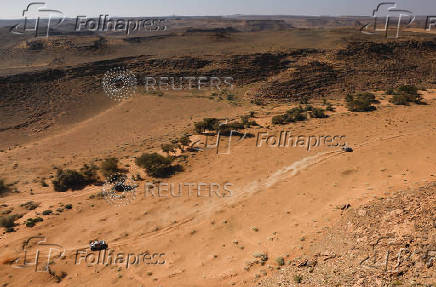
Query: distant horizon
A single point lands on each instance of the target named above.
(223, 8)
(211, 16)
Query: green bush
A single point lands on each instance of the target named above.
(208, 124)
(361, 102)
(185, 140)
(400, 100)
(157, 165)
(68, 179)
(390, 91)
(406, 94)
(109, 167)
(69, 206)
(295, 115)
(3, 188)
(291, 116)
(8, 221)
(90, 173)
(98, 195)
(318, 113)
(169, 148)
(75, 180)
(47, 212)
(280, 261)
(330, 107)
(279, 120)
(408, 89)
(30, 205)
(298, 278)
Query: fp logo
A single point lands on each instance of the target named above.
(36, 251)
(388, 19)
(34, 15)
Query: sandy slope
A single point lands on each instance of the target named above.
(281, 197)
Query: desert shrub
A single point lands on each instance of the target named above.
(291, 116)
(399, 100)
(318, 113)
(30, 222)
(169, 148)
(157, 165)
(8, 221)
(406, 94)
(43, 183)
(109, 167)
(3, 188)
(408, 89)
(330, 107)
(230, 97)
(30, 205)
(208, 124)
(100, 43)
(69, 206)
(258, 101)
(279, 120)
(75, 180)
(35, 45)
(298, 279)
(90, 173)
(69, 179)
(390, 91)
(304, 100)
(98, 195)
(360, 102)
(296, 115)
(226, 129)
(280, 261)
(47, 212)
(245, 119)
(308, 108)
(369, 97)
(185, 140)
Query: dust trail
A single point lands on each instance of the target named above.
(293, 169)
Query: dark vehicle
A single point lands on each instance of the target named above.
(98, 245)
(347, 149)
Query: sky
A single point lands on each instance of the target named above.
(12, 9)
